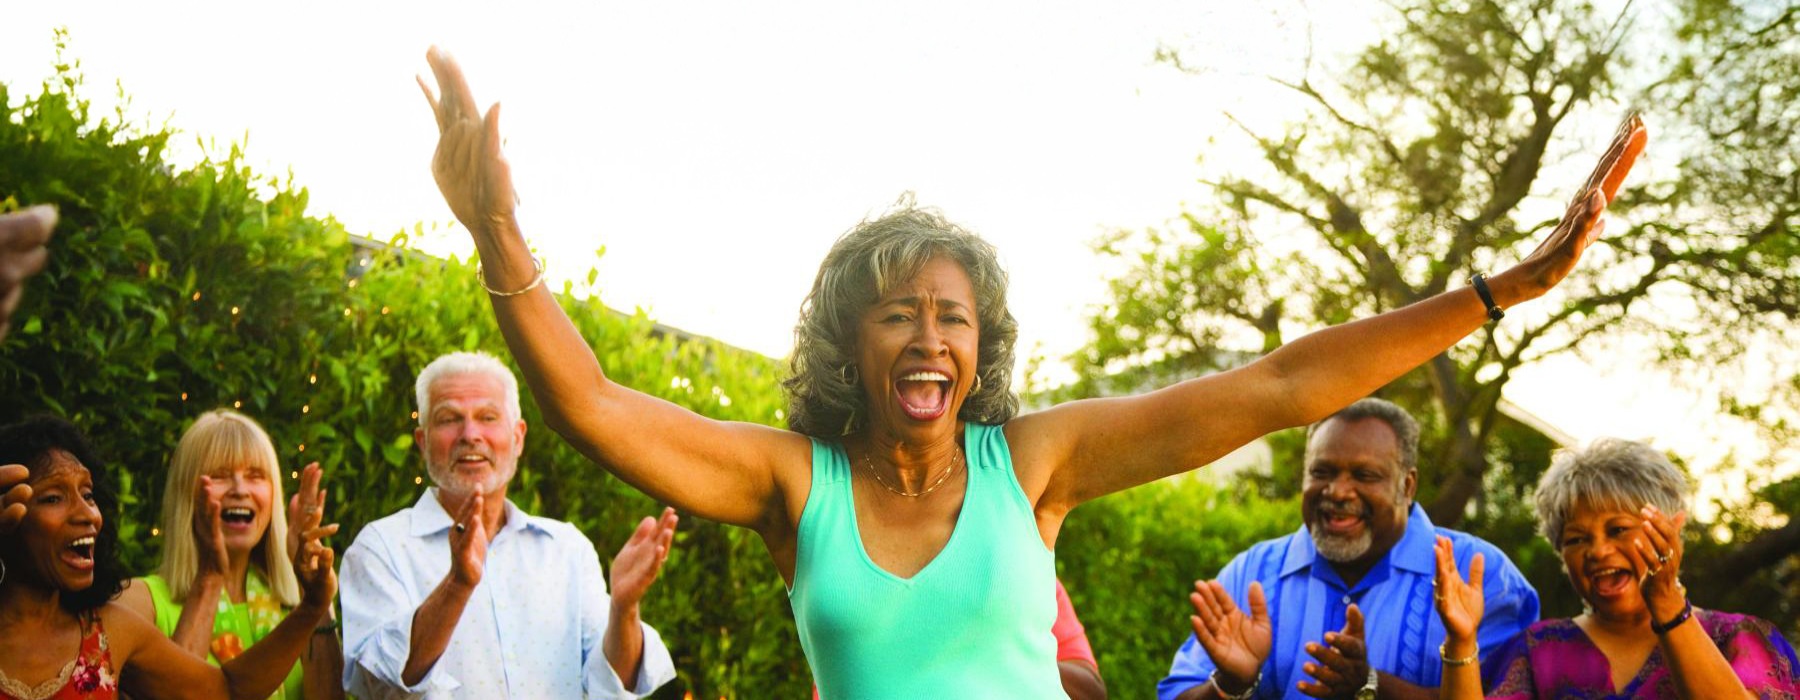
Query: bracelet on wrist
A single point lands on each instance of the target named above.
(1662, 628)
(1444, 654)
(1246, 694)
(535, 281)
(1479, 282)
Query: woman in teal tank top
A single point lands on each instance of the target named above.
(227, 577)
(910, 509)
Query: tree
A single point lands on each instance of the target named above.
(1421, 164)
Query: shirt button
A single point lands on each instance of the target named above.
(1346, 600)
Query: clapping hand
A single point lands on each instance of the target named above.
(14, 492)
(209, 529)
(1459, 603)
(641, 559)
(469, 543)
(1340, 666)
(313, 561)
(1656, 556)
(1237, 643)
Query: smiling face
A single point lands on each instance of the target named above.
(916, 351)
(246, 496)
(1357, 494)
(1593, 543)
(470, 441)
(61, 525)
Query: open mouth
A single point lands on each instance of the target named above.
(1339, 519)
(471, 461)
(1612, 582)
(237, 517)
(924, 395)
(80, 553)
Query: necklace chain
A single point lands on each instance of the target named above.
(955, 458)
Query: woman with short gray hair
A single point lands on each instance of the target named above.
(1606, 508)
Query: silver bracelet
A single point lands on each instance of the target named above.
(535, 281)
(1246, 695)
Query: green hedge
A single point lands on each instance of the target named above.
(174, 291)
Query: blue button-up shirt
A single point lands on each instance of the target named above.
(531, 629)
(1400, 624)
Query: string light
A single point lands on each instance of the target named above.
(234, 311)
(302, 447)
(196, 296)
(352, 284)
(237, 404)
(312, 379)
(296, 475)
(156, 532)
(384, 311)
(346, 311)
(418, 480)
(306, 409)
(184, 396)
(415, 415)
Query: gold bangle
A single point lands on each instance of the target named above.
(1444, 653)
(535, 281)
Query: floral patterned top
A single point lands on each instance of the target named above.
(1555, 659)
(88, 676)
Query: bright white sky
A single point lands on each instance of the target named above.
(717, 148)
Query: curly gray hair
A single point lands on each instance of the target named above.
(1609, 472)
(825, 399)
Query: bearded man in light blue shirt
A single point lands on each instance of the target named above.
(1343, 608)
(464, 595)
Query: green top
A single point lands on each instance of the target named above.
(250, 621)
(974, 623)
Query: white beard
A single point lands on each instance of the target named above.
(1342, 549)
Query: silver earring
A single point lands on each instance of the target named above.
(849, 374)
(977, 387)
(2, 571)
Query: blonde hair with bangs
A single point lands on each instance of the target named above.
(218, 438)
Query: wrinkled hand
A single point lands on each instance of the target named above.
(1339, 667)
(14, 493)
(1238, 644)
(1459, 604)
(470, 169)
(1556, 256)
(23, 237)
(314, 565)
(1659, 580)
(209, 529)
(306, 509)
(468, 548)
(641, 559)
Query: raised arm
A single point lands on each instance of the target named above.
(1099, 446)
(718, 470)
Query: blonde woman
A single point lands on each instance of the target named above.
(226, 577)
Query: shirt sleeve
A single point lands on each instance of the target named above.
(1192, 666)
(1071, 637)
(1761, 658)
(655, 666)
(378, 616)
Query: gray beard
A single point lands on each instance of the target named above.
(1342, 549)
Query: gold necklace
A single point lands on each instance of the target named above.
(955, 457)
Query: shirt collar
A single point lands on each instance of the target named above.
(430, 518)
(1415, 552)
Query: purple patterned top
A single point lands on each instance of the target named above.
(1555, 659)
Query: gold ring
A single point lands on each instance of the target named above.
(461, 528)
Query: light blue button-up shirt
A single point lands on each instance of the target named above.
(1401, 628)
(531, 629)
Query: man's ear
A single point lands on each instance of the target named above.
(1410, 484)
(519, 438)
(419, 442)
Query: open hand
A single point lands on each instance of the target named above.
(1340, 666)
(14, 493)
(1459, 604)
(641, 559)
(470, 170)
(306, 509)
(1556, 256)
(314, 565)
(1656, 556)
(1238, 644)
(469, 543)
(209, 529)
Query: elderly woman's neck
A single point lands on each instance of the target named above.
(1625, 625)
(913, 462)
(237, 571)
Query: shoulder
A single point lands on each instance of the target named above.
(1724, 626)
(139, 598)
(377, 533)
(124, 629)
(1556, 629)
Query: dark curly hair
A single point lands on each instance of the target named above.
(825, 400)
(30, 443)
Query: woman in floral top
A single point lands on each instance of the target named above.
(61, 634)
(1607, 510)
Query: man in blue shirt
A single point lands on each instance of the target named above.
(1365, 549)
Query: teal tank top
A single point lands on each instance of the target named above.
(974, 623)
